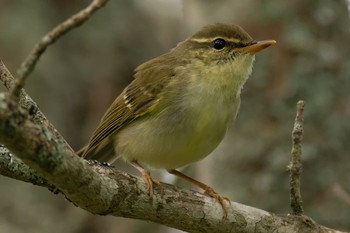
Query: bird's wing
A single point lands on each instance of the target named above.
(138, 99)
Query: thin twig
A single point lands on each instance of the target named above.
(76, 20)
(295, 165)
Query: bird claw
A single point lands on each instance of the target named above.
(221, 199)
(149, 180)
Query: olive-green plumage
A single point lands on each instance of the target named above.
(178, 108)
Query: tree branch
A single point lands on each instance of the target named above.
(76, 20)
(13, 167)
(295, 165)
(105, 191)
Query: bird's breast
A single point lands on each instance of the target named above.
(186, 130)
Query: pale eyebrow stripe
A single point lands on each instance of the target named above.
(207, 40)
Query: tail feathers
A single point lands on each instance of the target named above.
(81, 151)
(104, 154)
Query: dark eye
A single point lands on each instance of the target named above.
(219, 43)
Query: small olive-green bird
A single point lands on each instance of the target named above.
(178, 108)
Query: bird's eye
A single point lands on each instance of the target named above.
(219, 44)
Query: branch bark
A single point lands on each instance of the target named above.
(14, 168)
(295, 166)
(105, 191)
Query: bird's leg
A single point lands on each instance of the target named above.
(207, 190)
(146, 176)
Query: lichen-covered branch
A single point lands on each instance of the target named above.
(14, 168)
(76, 20)
(295, 165)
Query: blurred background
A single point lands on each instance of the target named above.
(80, 75)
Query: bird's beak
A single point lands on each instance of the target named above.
(256, 47)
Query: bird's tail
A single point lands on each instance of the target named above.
(81, 151)
(103, 154)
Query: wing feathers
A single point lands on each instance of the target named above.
(136, 100)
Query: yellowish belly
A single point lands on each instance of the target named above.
(166, 141)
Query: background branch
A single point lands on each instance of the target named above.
(295, 165)
(76, 20)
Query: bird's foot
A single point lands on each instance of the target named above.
(221, 199)
(146, 176)
(149, 180)
(207, 190)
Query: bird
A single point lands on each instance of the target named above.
(179, 105)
